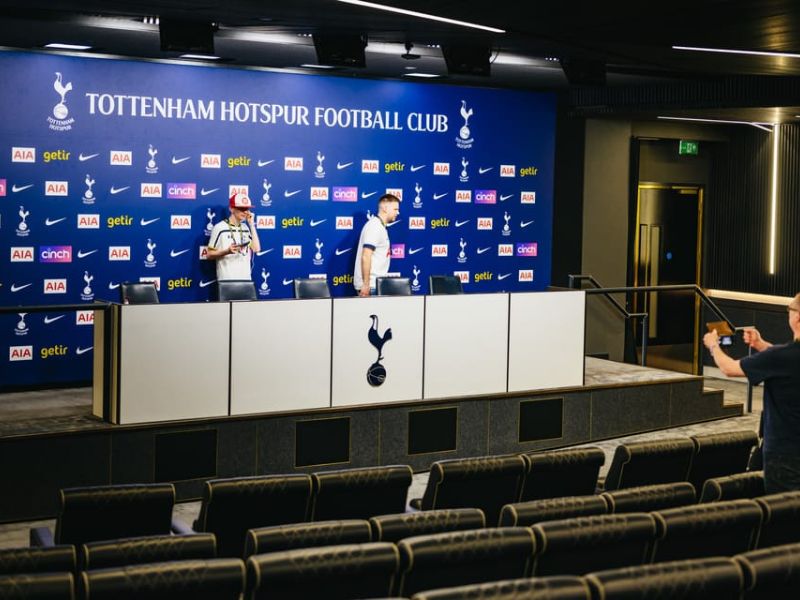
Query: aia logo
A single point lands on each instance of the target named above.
(416, 223)
(319, 193)
(292, 163)
(290, 252)
(265, 222)
(527, 197)
(508, 171)
(180, 222)
(23, 155)
(22, 254)
(370, 166)
(119, 253)
(441, 168)
(210, 161)
(120, 158)
(16, 353)
(84, 317)
(56, 188)
(86, 221)
(55, 286)
(151, 190)
(344, 222)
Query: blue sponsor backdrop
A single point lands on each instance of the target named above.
(114, 171)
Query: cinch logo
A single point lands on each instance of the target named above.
(463, 196)
(319, 193)
(292, 252)
(508, 170)
(398, 250)
(51, 155)
(119, 253)
(55, 254)
(181, 191)
(526, 275)
(265, 222)
(526, 249)
(396, 192)
(180, 221)
(56, 188)
(154, 280)
(344, 222)
(20, 353)
(22, 254)
(416, 223)
(485, 223)
(462, 275)
(238, 188)
(505, 250)
(84, 317)
(370, 166)
(88, 221)
(55, 286)
(345, 194)
(485, 196)
(23, 155)
(441, 168)
(439, 250)
(210, 161)
(121, 158)
(120, 221)
(2, 187)
(291, 222)
(151, 190)
(292, 163)
(527, 197)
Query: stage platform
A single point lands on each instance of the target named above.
(49, 439)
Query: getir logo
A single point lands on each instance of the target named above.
(485, 196)
(416, 223)
(84, 317)
(182, 282)
(151, 190)
(55, 286)
(485, 223)
(292, 163)
(441, 168)
(319, 193)
(526, 275)
(16, 353)
(526, 249)
(292, 252)
(181, 191)
(120, 221)
(505, 250)
(57, 350)
(288, 222)
(22, 254)
(86, 221)
(439, 250)
(55, 254)
(508, 171)
(51, 155)
(345, 194)
(463, 196)
(527, 197)
(23, 155)
(180, 221)
(344, 222)
(345, 279)
(121, 158)
(119, 253)
(398, 250)
(265, 222)
(370, 166)
(210, 161)
(56, 188)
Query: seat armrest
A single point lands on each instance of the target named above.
(180, 527)
(41, 537)
(415, 504)
(601, 485)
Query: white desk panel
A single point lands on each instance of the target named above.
(355, 353)
(466, 345)
(280, 355)
(173, 361)
(546, 340)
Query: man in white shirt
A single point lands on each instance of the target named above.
(234, 240)
(374, 250)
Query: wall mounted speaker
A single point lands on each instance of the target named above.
(584, 72)
(469, 59)
(340, 50)
(180, 35)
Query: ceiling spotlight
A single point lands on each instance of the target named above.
(408, 55)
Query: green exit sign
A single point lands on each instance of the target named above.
(688, 147)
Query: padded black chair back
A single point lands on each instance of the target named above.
(311, 288)
(360, 493)
(781, 519)
(648, 463)
(89, 514)
(157, 548)
(570, 472)
(37, 560)
(733, 487)
(720, 454)
(330, 572)
(541, 588)
(38, 586)
(393, 528)
(524, 514)
(235, 289)
(584, 544)
(215, 579)
(716, 529)
(393, 286)
(488, 483)
(647, 498)
(232, 506)
(306, 535)
(463, 557)
(444, 284)
(138, 293)
(702, 579)
(771, 573)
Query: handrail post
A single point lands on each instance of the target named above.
(750, 387)
(645, 329)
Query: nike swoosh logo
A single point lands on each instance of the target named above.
(206, 283)
(439, 196)
(80, 350)
(115, 190)
(48, 320)
(20, 188)
(501, 277)
(174, 254)
(461, 223)
(16, 288)
(314, 223)
(288, 194)
(113, 286)
(82, 157)
(263, 252)
(525, 223)
(205, 192)
(504, 198)
(482, 250)
(481, 170)
(339, 251)
(415, 168)
(341, 166)
(82, 254)
(393, 223)
(146, 222)
(49, 221)
(367, 194)
(264, 163)
(415, 250)
(177, 161)
(287, 281)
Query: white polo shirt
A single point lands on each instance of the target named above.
(236, 265)
(374, 235)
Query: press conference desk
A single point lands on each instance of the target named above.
(186, 361)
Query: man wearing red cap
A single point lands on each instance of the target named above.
(234, 240)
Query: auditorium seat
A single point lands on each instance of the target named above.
(780, 519)
(232, 506)
(720, 454)
(37, 586)
(393, 286)
(38, 560)
(360, 493)
(88, 514)
(214, 579)
(648, 463)
(771, 573)
(716, 529)
(540, 588)
(235, 289)
(487, 482)
(647, 498)
(311, 288)
(703, 579)
(306, 535)
(463, 557)
(524, 514)
(733, 487)
(570, 472)
(138, 293)
(444, 284)
(330, 572)
(150, 549)
(583, 544)
(393, 528)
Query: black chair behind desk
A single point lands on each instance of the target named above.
(305, 288)
(444, 284)
(393, 286)
(235, 289)
(138, 293)
(37, 560)
(41, 586)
